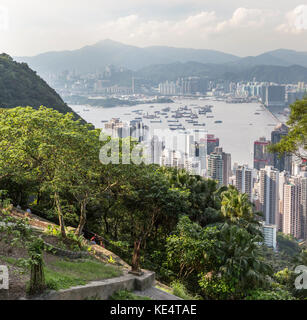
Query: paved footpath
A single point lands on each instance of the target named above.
(157, 294)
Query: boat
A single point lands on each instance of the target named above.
(210, 117)
(168, 109)
(218, 121)
(156, 121)
(257, 113)
(104, 121)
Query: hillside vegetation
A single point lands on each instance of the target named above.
(190, 231)
(20, 87)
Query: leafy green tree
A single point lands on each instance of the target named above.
(147, 197)
(296, 140)
(236, 208)
(225, 258)
(47, 149)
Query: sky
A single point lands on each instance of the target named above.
(240, 27)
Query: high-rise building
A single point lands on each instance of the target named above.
(244, 180)
(156, 149)
(292, 212)
(269, 194)
(303, 216)
(283, 179)
(292, 96)
(215, 167)
(284, 162)
(275, 95)
(209, 143)
(219, 166)
(262, 157)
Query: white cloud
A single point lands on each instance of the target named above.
(296, 21)
(37, 26)
(198, 26)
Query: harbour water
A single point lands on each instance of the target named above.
(241, 125)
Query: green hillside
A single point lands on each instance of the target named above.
(21, 86)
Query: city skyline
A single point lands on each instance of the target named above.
(226, 26)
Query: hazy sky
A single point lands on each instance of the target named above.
(242, 27)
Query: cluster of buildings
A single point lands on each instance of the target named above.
(184, 86)
(270, 94)
(277, 185)
(105, 82)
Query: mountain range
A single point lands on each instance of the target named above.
(232, 72)
(107, 52)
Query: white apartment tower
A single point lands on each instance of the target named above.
(244, 180)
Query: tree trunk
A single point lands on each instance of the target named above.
(60, 213)
(82, 221)
(136, 256)
(37, 282)
(106, 223)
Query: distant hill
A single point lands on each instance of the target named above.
(278, 74)
(108, 52)
(20, 86)
(280, 57)
(235, 72)
(159, 63)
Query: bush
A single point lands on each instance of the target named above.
(278, 294)
(180, 291)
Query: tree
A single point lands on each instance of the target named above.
(48, 149)
(147, 197)
(236, 208)
(296, 140)
(17, 232)
(225, 258)
(204, 195)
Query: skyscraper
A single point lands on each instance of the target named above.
(219, 166)
(269, 194)
(275, 95)
(262, 157)
(291, 212)
(244, 180)
(215, 167)
(210, 142)
(303, 208)
(284, 162)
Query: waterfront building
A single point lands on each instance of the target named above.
(275, 96)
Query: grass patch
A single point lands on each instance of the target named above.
(20, 263)
(9, 260)
(63, 274)
(127, 295)
(179, 290)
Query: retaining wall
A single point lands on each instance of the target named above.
(103, 289)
